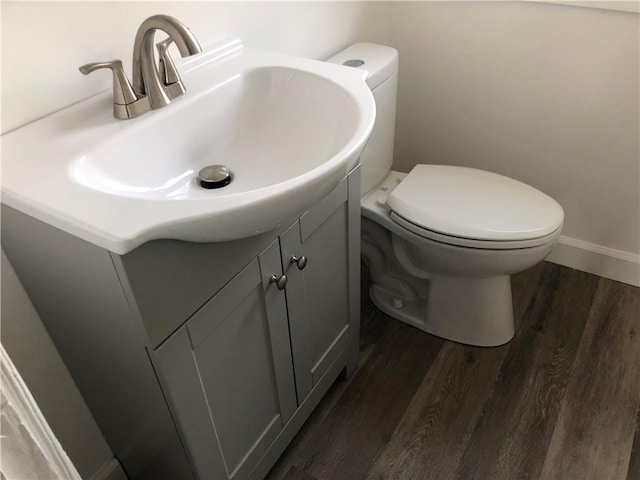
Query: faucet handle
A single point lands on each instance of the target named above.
(122, 91)
(168, 69)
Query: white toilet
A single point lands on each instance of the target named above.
(441, 241)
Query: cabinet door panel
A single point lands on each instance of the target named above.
(326, 283)
(228, 362)
(180, 382)
(238, 380)
(317, 296)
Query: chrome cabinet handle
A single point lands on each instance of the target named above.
(301, 262)
(281, 282)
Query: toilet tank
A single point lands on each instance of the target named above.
(382, 64)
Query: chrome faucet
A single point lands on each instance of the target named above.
(146, 78)
(154, 86)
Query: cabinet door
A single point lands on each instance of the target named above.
(318, 295)
(228, 373)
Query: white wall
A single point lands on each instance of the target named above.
(547, 94)
(44, 43)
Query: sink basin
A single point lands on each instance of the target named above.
(268, 125)
(288, 129)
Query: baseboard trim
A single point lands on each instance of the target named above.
(603, 261)
(110, 470)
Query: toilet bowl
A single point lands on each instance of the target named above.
(457, 288)
(442, 241)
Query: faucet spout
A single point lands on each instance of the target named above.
(146, 78)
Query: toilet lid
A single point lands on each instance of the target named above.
(474, 204)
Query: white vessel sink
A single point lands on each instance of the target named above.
(288, 129)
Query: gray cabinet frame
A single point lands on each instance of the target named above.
(109, 315)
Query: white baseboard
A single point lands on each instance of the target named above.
(110, 470)
(603, 261)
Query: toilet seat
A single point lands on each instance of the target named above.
(469, 242)
(473, 208)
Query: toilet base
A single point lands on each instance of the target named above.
(473, 311)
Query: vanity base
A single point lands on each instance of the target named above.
(125, 324)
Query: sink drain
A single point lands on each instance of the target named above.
(214, 176)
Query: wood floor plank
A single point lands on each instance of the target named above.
(511, 438)
(442, 415)
(595, 431)
(421, 408)
(362, 421)
(633, 472)
(295, 473)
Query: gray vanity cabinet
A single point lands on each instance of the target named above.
(193, 362)
(317, 294)
(228, 372)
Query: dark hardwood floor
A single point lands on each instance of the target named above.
(560, 401)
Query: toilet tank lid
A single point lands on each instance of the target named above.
(379, 60)
(475, 204)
